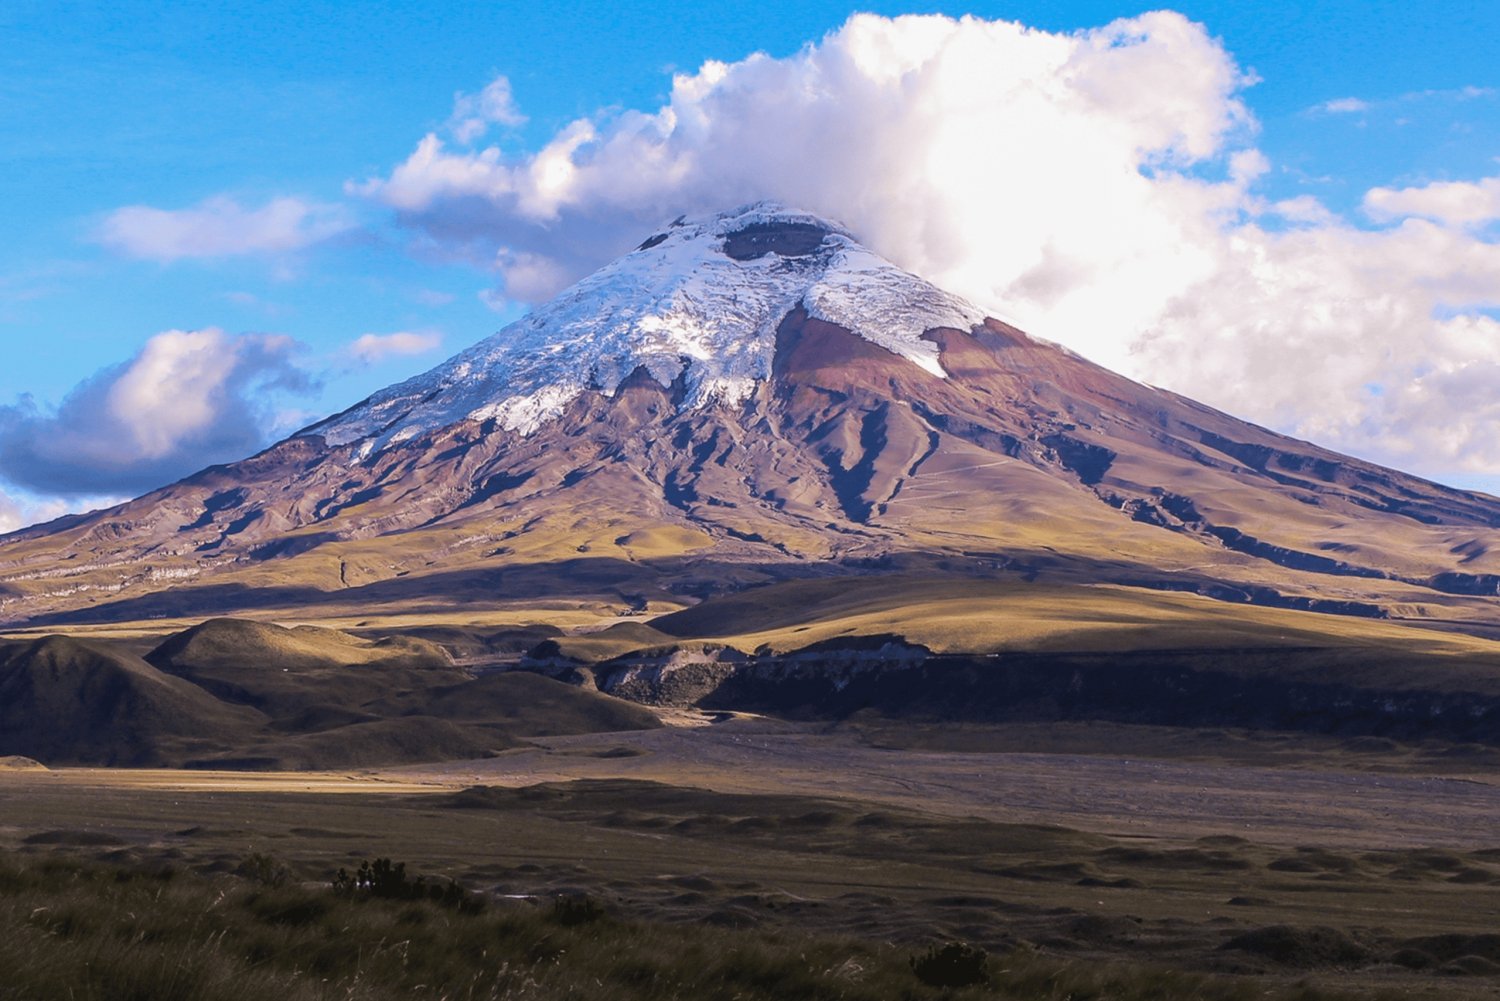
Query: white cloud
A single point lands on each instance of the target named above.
(934, 138)
(369, 349)
(220, 227)
(1344, 106)
(1373, 342)
(1303, 210)
(529, 277)
(11, 517)
(473, 114)
(1456, 203)
(1359, 105)
(20, 512)
(188, 399)
(1097, 187)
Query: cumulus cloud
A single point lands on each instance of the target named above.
(1457, 203)
(188, 399)
(220, 227)
(930, 136)
(1099, 187)
(1376, 342)
(473, 114)
(368, 349)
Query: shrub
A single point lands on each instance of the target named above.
(387, 880)
(954, 964)
(576, 909)
(263, 869)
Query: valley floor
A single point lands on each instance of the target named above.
(1355, 866)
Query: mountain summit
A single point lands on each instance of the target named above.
(751, 397)
(695, 306)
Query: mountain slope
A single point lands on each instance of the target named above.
(748, 398)
(64, 699)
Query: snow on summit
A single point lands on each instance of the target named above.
(700, 300)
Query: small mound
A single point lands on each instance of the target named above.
(286, 672)
(77, 839)
(480, 798)
(474, 642)
(17, 763)
(70, 701)
(1302, 948)
(592, 648)
(220, 642)
(1123, 883)
(1448, 948)
(1471, 966)
(620, 752)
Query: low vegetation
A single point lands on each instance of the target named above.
(71, 928)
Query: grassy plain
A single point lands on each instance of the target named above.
(751, 856)
(812, 861)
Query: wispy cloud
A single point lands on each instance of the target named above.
(474, 114)
(1344, 106)
(1362, 105)
(221, 227)
(36, 281)
(369, 349)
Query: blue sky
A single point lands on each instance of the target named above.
(105, 107)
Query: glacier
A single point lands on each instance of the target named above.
(681, 306)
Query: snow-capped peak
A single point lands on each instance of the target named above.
(700, 300)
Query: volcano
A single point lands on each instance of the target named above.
(753, 398)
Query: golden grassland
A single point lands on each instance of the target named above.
(946, 614)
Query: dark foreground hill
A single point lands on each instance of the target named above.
(66, 700)
(237, 694)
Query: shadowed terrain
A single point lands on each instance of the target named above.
(237, 694)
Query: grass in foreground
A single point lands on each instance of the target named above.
(84, 930)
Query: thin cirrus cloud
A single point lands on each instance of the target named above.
(474, 114)
(371, 349)
(187, 399)
(1360, 105)
(1099, 187)
(221, 227)
(1344, 106)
